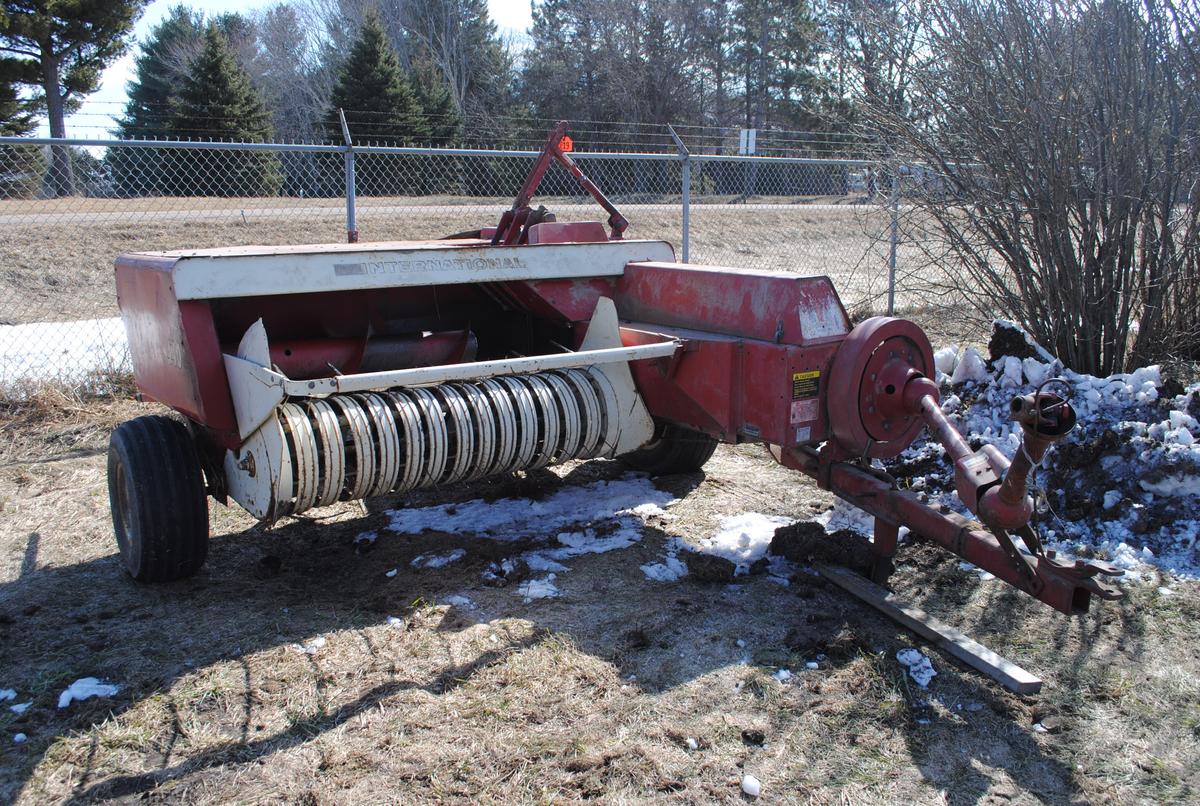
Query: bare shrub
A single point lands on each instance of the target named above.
(1061, 168)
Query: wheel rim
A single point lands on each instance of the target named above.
(120, 512)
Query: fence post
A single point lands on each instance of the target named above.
(893, 241)
(351, 187)
(685, 157)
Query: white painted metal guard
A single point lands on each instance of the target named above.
(261, 271)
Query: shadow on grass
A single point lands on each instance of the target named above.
(1075, 649)
(89, 619)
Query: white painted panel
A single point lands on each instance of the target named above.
(259, 271)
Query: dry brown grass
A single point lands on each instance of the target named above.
(61, 268)
(590, 696)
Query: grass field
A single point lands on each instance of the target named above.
(56, 258)
(590, 696)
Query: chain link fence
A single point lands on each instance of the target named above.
(69, 207)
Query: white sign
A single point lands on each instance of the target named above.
(746, 138)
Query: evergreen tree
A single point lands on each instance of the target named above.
(443, 121)
(158, 72)
(65, 46)
(21, 167)
(17, 114)
(374, 93)
(217, 101)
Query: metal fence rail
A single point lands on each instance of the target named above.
(69, 207)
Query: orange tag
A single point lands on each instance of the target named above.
(566, 144)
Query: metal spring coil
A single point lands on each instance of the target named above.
(352, 446)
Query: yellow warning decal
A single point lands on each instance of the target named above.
(806, 384)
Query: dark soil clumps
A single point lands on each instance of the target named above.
(806, 542)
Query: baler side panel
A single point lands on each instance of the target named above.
(561, 301)
(162, 358)
(216, 402)
(758, 348)
(693, 389)
(769, 306)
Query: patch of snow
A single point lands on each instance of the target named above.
(516, 518)
(945, 360)
(1176, 485)
(920, 669)
(392, 621)
(780, 570)
(539, 562)
(438, 560)
(846, 516)
(751, 786)
(311, 647)
(7, 694)
(20, 707)
(692, 744)
(783, 675)
(19, 738)
(365, 538)
(459, 601)
(85, 688)
(970, 367)
(538, 588)
(671, 568)
(392, 573)
(743, 539)
(811, 664)
(71, 352)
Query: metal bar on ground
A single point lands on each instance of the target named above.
(943, 636)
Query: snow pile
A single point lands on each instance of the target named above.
(586, 519)
(85, 688)
(7, 694)
(438, 560)
(671, 568)
(628, 500)
(920, 669)
(751, 786)
(743, 539)
(67, 351)
(543, 588)
(1123, 486)
(20, 707)
(311, 647)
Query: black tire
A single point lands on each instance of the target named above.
(674, 449)
(158, 500)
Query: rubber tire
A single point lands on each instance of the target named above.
(157, 498)
(674, 450)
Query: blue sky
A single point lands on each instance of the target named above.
(104, 105)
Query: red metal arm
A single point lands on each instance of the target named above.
(516, 220)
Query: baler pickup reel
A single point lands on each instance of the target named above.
(308, 443)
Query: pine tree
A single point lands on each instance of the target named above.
(438, 108)
(158, 72)
(375, 94)
(65, 47)
(217, 101)
(157, 75)
(21, 167)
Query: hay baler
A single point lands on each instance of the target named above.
(313, 374)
